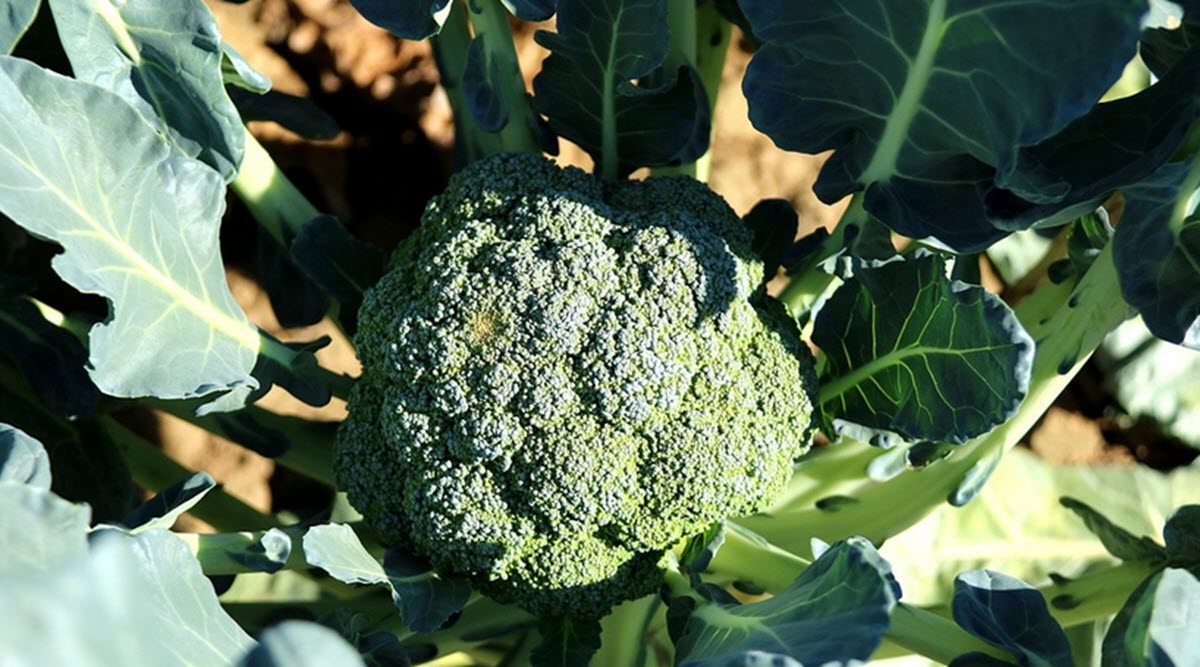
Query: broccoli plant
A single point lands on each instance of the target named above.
(584, 429)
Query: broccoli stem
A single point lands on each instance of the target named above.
(1067, 324)
(450, 53)
(277, 205)
(807, 283)
(623, 639)
(490, 20)
(216, 551)
(699, 37)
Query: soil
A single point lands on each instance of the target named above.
(393, 153)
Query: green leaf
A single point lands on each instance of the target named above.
(165, 59)
(134, 602)
(161, 511)
(1119, 542)
(1008, 613)
(340, 263)
(23, 459)
(912, 352)
(301, 644)
(426, 600)
(1182, 537)
(925, 102)
(336, 549)
(1156, 627)
(235, 71)
(837, 610)
(1017, 526)
(15, 18)
(1157, 252)
(139, 226)
(298, 114)
(566, 642)
(38, 530)
(50, 358)
(586, 87)
(485, 99)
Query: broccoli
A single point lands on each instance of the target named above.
(563, 377)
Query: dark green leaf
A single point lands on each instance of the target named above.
(23, 459)
(165, 59)
(699, 551)
(1182, 537)
(142, 232)
(1012, 615)
(50, 358)
(530, 10)
(585, 87)
(774, 224)
(342, 264)
(296, 300)
(301, 644)
(426, 599)
(566, 642)
(168, 505)
(410, 19)
(1116, 540)
(1157, 625)
(485, 98)
(926, 101)
(837, 610)
(1157, 253)
(1114, 145)
(911, 352)
(15, 18)
(298, 114)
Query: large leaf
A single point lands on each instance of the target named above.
(139, 224)
(909, 351)
(301, 644)
(410, 19)
(1117, 541)
(165, 59)
(38, 530)
(135, 602)
(1008, 613)
(585, 87)
(23, 459)
(836, 611)
(1017, 526)
(15, 18)
(1114, 145)
(1157, 626)
(925, 102)
(1157, 252)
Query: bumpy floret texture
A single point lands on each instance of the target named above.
(562, 378)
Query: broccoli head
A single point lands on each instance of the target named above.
(563, 377)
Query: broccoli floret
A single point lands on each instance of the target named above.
(563, 377)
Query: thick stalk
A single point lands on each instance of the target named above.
(1066, 324)
(490, 20)
(273, 200)
(623, 633)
